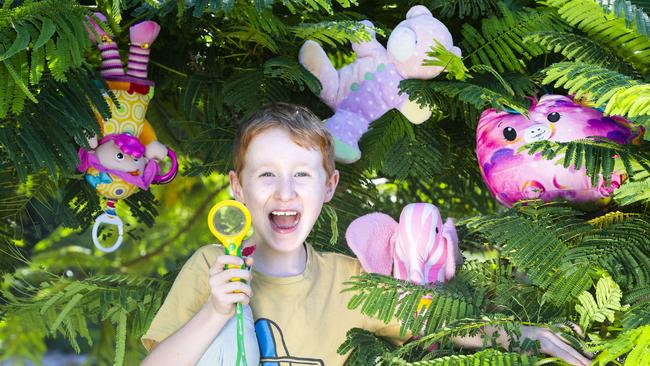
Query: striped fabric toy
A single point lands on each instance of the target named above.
(420, 248)
(141, 35)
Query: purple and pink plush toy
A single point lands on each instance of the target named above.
(363, 91)
(512, 176)
(419, 249)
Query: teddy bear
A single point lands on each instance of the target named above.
(513, 175)
(364, 90)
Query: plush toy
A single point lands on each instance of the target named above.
(127, 158)
(369, 87)
(420, 248)
(512, 176)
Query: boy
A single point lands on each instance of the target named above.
(284, 173)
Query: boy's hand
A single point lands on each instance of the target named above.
(224, 292)
(553, 345)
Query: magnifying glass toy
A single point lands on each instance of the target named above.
(229, 221)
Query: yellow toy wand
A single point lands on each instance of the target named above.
(229, 222)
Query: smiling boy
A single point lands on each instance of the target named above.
(284, 173)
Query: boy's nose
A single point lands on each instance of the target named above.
(286, 190)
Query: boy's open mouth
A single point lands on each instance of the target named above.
(284, 221)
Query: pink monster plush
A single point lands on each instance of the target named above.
(419, 248)
(513, 176)
(369, 87)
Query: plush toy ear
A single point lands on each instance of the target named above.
(401, 43)
(417, 11)
(371, 239)
(454, 256)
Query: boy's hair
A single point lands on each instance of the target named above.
(305, 129)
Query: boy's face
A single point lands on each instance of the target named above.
(284, 186)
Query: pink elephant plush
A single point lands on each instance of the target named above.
(369, 87)
(512, 176)
(420, 248)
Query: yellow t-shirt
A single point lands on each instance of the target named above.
(300, 319)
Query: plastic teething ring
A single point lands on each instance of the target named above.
(108, 219)
(171, 174)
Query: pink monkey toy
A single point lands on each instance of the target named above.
(512, 175)
(369, 87)
(420, 248)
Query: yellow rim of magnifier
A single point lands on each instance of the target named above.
(227, 240)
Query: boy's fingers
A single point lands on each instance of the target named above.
(238, 298)
(248, 261)
(237, 287)
(226, 276)
(565, 351)
(222, 261)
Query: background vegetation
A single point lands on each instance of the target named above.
(215, 62)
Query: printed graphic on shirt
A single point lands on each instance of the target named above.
(273, 349)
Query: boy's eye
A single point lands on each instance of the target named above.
(266, 174)
(302, 174)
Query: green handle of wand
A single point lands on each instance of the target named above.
(241, 352)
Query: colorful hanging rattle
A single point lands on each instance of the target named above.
(127, 158)
(229, 222)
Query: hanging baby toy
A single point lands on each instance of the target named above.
(127, 157)
(363, 91)
(513, 175)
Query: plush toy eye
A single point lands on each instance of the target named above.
(437, 230)
(119, 156)
(553, 117)
(135, 160)
(509, 133)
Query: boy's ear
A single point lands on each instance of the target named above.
(235, 185)
(332, 182)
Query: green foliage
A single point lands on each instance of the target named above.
(604, 307)
(474, 9)
(598, 156)
(467, 99)
(599, 25)
(365, 347)
(633, 344)
(39, 36)
(386, 298)
(635, 18)
(579, 48)
(500, 41)
(451, 64)
(216, 61)
(65, 306)
(524, 232)
(47, 135)
(619, 94)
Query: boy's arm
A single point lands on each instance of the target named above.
(199, 304)
(550, 343)
(187, 345)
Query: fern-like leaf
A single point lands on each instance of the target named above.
(591, 18)
(604, 307)
(386, 298)
(500, 42)
(579, 48)
(597, 156)
(635, 17)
